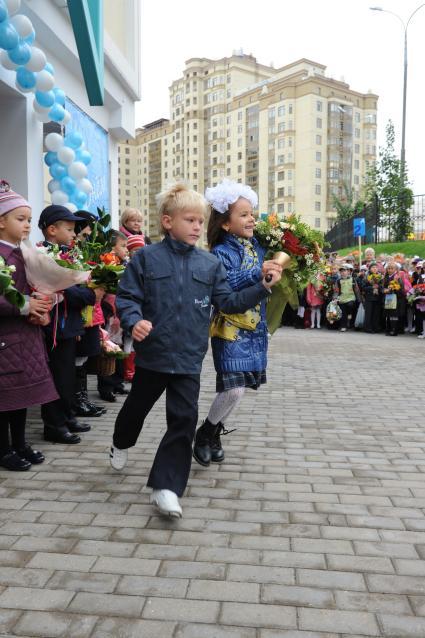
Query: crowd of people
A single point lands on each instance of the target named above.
(383, 295)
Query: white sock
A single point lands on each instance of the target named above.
(223, 405)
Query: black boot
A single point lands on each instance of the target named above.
(202, 447)
(82, 406)
(217, 452)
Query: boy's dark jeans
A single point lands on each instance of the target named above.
(171, 467)
(58, 414)
(347, 309)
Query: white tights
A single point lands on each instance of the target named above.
(223, 404)
(315, 312)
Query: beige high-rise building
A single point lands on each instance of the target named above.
(293, 134)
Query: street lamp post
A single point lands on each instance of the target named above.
(403, 125)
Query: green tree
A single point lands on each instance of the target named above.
(346, 207)
(388, 181)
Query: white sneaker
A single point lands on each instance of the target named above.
(118, 458)
(343, 329)
(412, 330)
(167, 503)
(422, 336)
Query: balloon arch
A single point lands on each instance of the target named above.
(66, 158)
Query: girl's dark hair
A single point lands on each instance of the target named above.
(115, 236)
(215, 232)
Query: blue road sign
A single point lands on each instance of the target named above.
(359, 227)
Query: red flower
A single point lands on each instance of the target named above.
(292, 244)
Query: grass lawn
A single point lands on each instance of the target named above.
(407, 248)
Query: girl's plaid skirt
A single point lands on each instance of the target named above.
(229, 380)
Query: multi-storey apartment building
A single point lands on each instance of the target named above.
(294, 134)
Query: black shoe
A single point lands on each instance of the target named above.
(83, 407)
(98, 410)
(120, 389)
(217, 452)
(60, 436)
(12, 461)
(75, 426)
(33, 456)
(202, 446)
(107, 395)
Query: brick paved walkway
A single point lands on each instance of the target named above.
(313, 528)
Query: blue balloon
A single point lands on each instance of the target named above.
(9, 38)
(30, 39)
(25, 78)
(73, 140)
(57, 113)
(83, 156)
(49, 68)
(50, 158)
(45, 98)
(68, 185)
(3, 11)
(79, 198)
(21, 54)
(59, 95)
(57, 170)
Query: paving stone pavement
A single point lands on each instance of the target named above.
(314, 527)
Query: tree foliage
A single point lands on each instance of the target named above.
(387, 180)
(346, 207)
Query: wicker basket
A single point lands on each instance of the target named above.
(102, 365)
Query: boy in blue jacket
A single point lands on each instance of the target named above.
(57, 224)
(164, 300)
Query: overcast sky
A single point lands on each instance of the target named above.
(363, 47)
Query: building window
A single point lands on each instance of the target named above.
(281, 143)
(357, 148)
(318, 139)
(317, 222)
(281, 208)
(317, 206)
(281, 192)
(318, 156)
(239, 142)
(290, 207)
(318, 189)
(319, 105)
(239, 156)
(281, 176)
(356, 164)
(281, 127)
(239, 168)
(281, 110)
(357, 117)
(280, 159)
(318, 122)
(289, 174)
(240, 129)
(356, 179)
(318, 173)
(240, 115)
(289, 109)
(357, 132)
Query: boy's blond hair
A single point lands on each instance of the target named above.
(179, 197)
(130, 212)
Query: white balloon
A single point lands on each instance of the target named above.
(72, 207)
(40, 109)
(53, 142)
(42, 117)
(6, 62)
(66, 118)
(66, 155)
(77, 170)
(45, 81)
(37, 62)
(22, 24)
(13, 6)
(84, 185)
(53, 185)
(59, 198)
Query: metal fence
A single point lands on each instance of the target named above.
(379, 228)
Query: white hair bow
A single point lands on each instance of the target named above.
(222, 196)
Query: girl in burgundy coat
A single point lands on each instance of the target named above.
(25, 378)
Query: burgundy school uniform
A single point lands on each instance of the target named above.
(25, 378)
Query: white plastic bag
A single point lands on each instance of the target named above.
(359, 321)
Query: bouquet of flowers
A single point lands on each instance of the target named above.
(333, 311)
(417, 293)
(304, 246)
(106, 268)
(375, 279)
(7, 289)
(394, 286)
(71, 258)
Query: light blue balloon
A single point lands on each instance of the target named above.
(50, 158)
(57, 170)
(30, 39)
(79, 198)
(68, 185)
(3, 11)
(83, 156)
(59, 95)
(21, 54)
(9, 38)
(49, 68)
(73, 140)
(57, 113)
(45, 98)
(25, 78)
